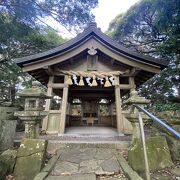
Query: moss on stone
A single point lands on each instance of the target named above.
(30, 158)
(157, 151)
(174, 146)
(7, 162)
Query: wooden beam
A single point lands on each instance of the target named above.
(54, 111)
(132, 83)
(56, 85)
(134, 71)
(48, 70)
(125, 86)
(88, 96)
(88, 88)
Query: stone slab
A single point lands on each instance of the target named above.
(73, 177)
(86, 160)
(88, 166)
(30, 158)
(111, 166)
(103, 154)
(63, 167)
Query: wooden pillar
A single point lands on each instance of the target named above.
(119, 117)
(132, 83)
(48, 102)
(63, 108)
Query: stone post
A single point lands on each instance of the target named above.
(133, 115)
(33, 110)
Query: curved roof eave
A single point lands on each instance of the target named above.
(91, 30)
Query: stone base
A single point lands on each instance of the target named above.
(157, 151)
(30, 158)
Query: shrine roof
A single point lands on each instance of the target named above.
(90, 32)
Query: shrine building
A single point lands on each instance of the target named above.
(87, 78)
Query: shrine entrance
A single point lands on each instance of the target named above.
(91, 106)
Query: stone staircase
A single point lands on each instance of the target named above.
(85, 141)
(87, 163)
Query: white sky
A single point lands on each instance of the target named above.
(106, 11)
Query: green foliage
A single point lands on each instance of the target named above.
(24, 32)
(166, 107)
(71, 14)
(152, 27)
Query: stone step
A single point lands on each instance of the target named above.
(81, 177)
(53, 144)
(121, 145)
(73, 177)
(96, 141)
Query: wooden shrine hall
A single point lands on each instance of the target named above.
(87, 78)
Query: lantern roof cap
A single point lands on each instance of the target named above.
(35, 91)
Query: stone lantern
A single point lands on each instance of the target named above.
(133, 115)
(33, 110)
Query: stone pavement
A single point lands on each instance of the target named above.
(86, 164)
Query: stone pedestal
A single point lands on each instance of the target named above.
(31, 129)
(133, 118)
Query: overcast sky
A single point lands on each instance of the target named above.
(107, 10)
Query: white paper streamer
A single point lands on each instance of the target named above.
(75, 79)
(88, 81)
(101, 80)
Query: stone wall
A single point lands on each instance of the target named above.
(7, 127)
(173, 119)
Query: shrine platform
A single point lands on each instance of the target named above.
(84, 136)
(92, 131)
